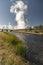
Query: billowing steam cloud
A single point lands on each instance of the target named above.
(19, 8)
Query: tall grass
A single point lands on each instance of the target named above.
(21, 50)
(19, 46)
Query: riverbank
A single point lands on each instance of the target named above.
(29, 32)
(12, 50)
(9, 52)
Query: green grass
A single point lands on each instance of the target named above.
(21, 50)
(12, 39)
(19, 46)
(9, 61)
(13, 50)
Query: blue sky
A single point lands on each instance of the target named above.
(34, 11)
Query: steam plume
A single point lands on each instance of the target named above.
(19, 8)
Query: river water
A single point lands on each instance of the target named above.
(34, 45)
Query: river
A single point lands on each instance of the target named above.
(34, 44)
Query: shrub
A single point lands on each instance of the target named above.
(36, 31)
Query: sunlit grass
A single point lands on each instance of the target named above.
(12, 50)
(18, 45)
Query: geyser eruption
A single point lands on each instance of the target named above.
(19, 8)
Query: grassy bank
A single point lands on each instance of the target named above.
(20, 48)
(12, 50)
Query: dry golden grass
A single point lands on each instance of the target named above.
(7, 53)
